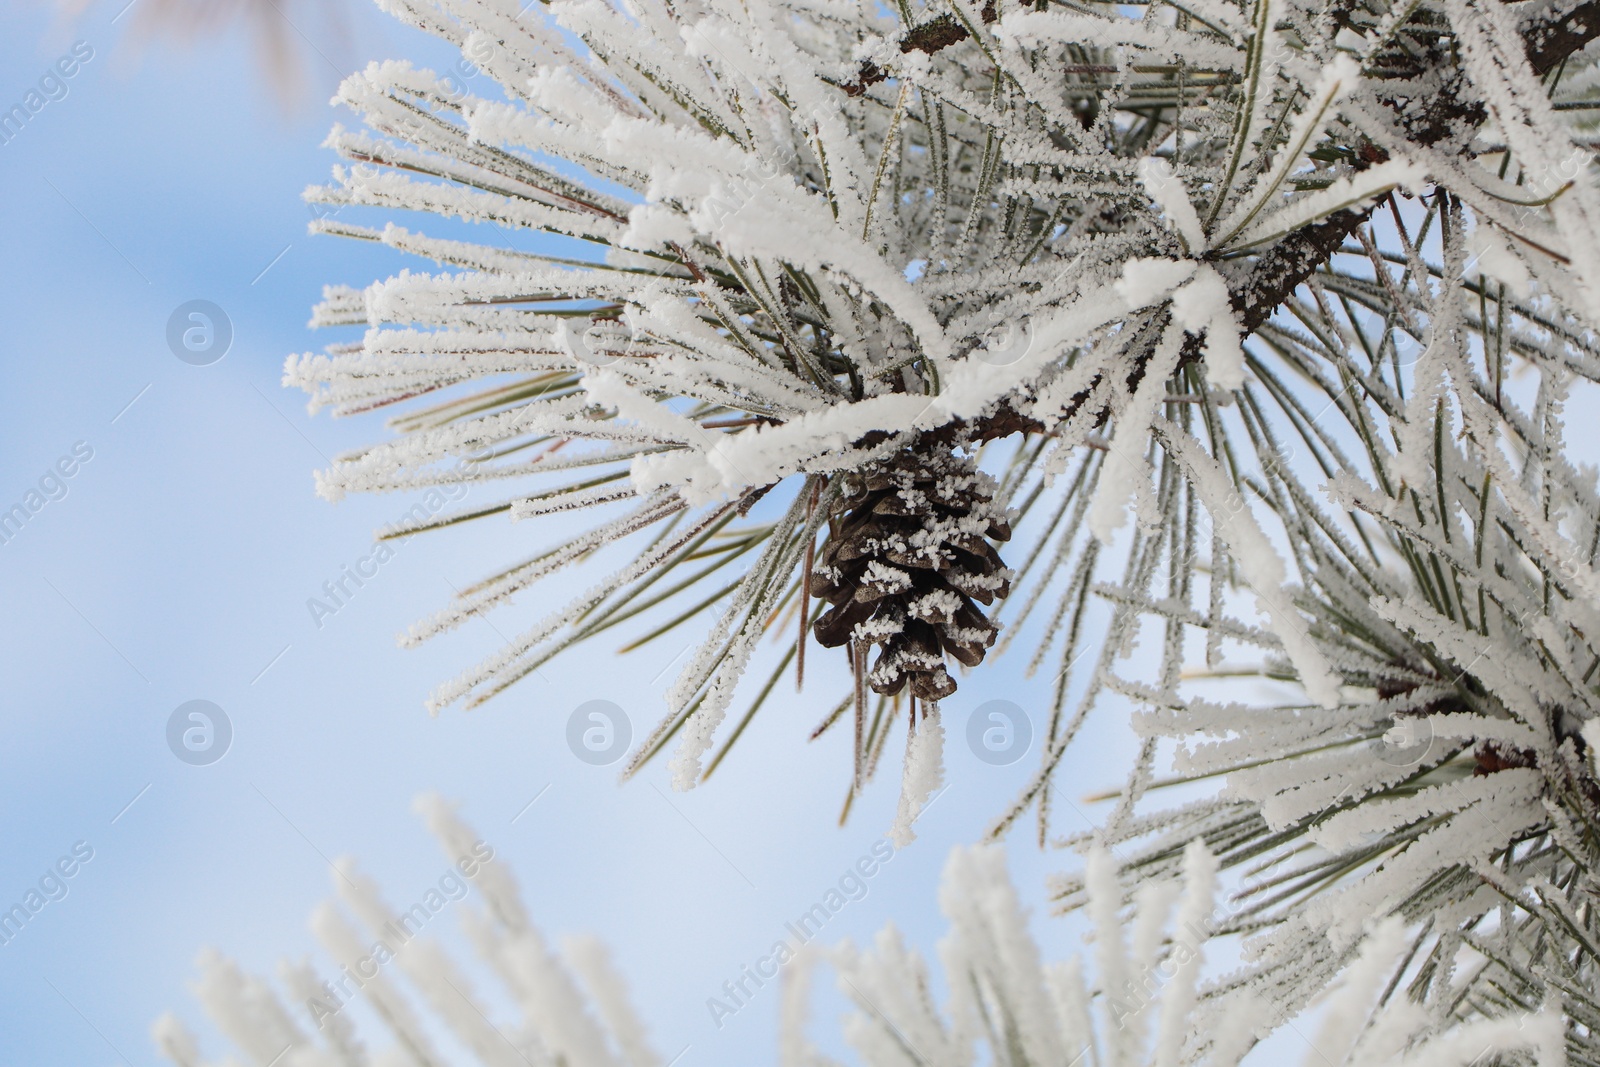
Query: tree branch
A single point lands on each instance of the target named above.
(1255, 291)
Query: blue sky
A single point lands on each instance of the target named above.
(178, 564)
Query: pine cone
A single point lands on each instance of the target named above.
(908, 551)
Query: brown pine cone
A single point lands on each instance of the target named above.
(908, 551)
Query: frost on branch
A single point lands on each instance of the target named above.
(571, 1007)
(1449, 545)
(1141, 995)
(1141, 998)
(1118, 258)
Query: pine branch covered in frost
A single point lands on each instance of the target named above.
(1449, 555)
(571, 1007)
(907, 310)
(796, 251)
(1147, 1004)
(1145, 1001)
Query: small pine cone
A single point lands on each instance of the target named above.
(908, 551)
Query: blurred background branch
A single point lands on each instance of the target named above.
(291, 38)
